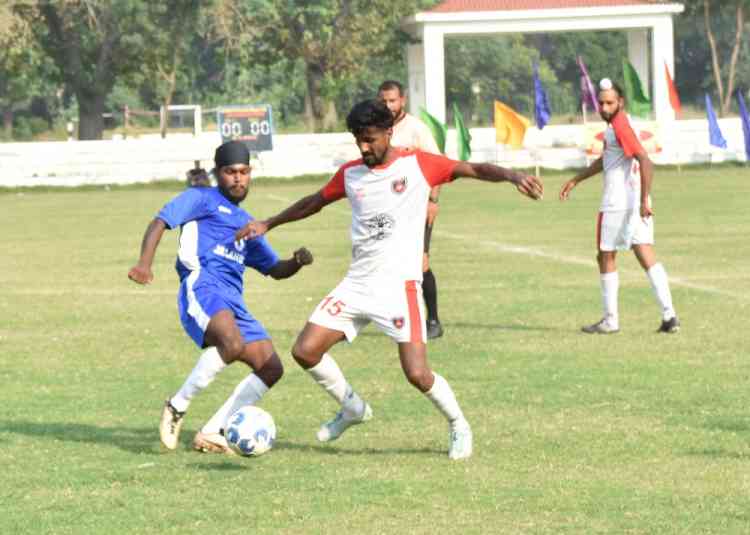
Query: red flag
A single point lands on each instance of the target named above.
(674, 98)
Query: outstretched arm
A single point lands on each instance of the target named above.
(286, 268)
(596, 167)
(528, 185)
(141, 272)
(305, 207)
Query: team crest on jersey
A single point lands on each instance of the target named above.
(239, 244)
(398, 322)
(399, 185)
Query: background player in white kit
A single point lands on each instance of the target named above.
(625, 217)
(387, 190)
(410, 132)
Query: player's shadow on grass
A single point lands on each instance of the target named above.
(496, 326)
(142, 440)
(338, 450)
(281, 445)
(736, 425)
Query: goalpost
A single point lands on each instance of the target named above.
(184, 115)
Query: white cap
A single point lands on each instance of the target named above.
(605, 84)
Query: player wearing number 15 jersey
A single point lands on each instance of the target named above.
(387, 190)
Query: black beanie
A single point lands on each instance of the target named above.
(230, 153)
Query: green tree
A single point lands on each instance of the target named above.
(95, 43)
(22, 64)
(334, 40)
(730, 18)
(173, 25)
(480, 70)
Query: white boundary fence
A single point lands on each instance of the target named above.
(151, 158)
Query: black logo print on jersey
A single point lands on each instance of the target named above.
(380, 226)
(399, 185)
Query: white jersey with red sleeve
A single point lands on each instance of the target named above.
(622, 176)
(411, 133)
(389, 207)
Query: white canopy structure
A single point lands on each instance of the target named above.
(648, 24)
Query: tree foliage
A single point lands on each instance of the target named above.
(333, 39)
(724, 25)
(312, 59)
(23, 65)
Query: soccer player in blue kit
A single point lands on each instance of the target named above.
(211, 264)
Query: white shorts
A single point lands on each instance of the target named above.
(396, 307)
(620, 230)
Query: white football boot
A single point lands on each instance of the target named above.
(461, 440)
(335, 428)
(170, 425)
(603, 326)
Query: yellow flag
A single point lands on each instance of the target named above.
(510, 127)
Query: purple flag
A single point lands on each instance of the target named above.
(745, 123)
(542, 112)
(588, 93)
(714, 132)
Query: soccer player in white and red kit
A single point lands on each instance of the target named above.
(388, 190)
(409, 132)
(625, 216)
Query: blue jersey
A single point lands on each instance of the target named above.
(208, 222)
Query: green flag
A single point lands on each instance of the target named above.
(438, 129)
(463, 138)
(637, 102)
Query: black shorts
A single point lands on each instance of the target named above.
(427, 238)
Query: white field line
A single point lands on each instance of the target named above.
(532, 251)
(564, 259)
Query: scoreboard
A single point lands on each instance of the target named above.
(251, 124)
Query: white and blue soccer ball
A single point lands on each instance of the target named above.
(250, 431)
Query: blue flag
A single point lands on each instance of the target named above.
(745, 122)
(714, 132)
(541, 103)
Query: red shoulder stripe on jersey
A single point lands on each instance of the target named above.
(335, 188)
(436, 168)
(625, 135)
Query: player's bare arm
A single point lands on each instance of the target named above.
(287, 268)
(432, 207)
(141, 272)
(528, 185)
(305, 207)
(596, 167)
(647, 175)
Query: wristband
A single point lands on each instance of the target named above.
(434, 201)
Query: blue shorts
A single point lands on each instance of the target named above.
(202, 296)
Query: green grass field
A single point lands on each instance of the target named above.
(633, 433)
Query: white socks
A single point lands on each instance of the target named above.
(660, 285)
(443, 398)
(329, 376)
(610, 285)
(248, 392)
(208, 367)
